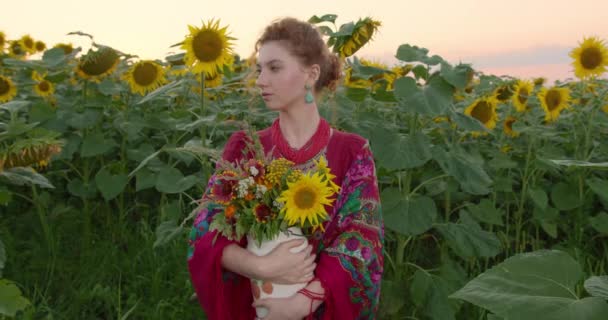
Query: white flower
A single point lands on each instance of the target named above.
(260, 191)
(254, 171)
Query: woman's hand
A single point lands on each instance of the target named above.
(282, 266)
(295, 307)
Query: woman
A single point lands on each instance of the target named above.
(343, 265)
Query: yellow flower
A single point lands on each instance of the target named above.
(277, 169)
(305, 200)
(362, 33)
(605, 108)
(504, 92)
(484, 110)
(506, 148)
(508, 127)
(7, 89)
(325, 173)
(2, 40)
(97, 64)
(212, 81)
(40, 46)
(28, 44)
(553, 101)
(590, 58)
(43, 87)
(16, 49)
(539, 81)
(145, 76)
(522, 91)
(208, 48)
(66, 47)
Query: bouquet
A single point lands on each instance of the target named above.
(269, 201)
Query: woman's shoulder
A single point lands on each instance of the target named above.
(349, 142)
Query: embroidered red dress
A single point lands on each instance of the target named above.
(349, 252)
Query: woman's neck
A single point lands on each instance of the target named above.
(298, 125)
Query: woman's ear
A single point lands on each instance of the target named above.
(314, 72)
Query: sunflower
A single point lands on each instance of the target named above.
(212, 81)
(40, 46)
(305, 200)
(605, 108)
(16, 49)
(538, 82)
(2, 40)
(590, 58)
(43, 87)
(7, 89)
(508, 127)
(325, 173)
(553, 101)
(66, 47)
(27, 153)
(504, 92)
(28, 44)
(145, 76)
(97, 64)
(484, 110)
(208, 48)
(521, 92)
(177, 65)
(362, 33)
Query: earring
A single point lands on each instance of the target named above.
(308, 98)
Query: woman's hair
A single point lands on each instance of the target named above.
(304, 41)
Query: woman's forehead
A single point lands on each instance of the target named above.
(272, 51)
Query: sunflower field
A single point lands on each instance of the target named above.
(494, 189)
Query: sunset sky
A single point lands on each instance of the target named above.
(519, 38)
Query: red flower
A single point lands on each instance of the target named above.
(223, 187)
(262, 213)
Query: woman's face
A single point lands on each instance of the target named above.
(281, 77)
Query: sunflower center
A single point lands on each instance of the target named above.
(553, 99)
(99, 63)
(509, 123)
(4, 86)
(305, 198)
(591, 58)
(522, 96)
(29, 43)
(44, 86)
(482, 111)
(16, 48)
(145, 74)
(207, 45)
(504, 93)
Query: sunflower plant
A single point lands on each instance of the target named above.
(262, 197)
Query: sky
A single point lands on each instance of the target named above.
(521, 38)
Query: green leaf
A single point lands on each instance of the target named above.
(430, 293)
(582, 164)
(565, 196)
(465, 122)
(144, 179)
(432, 99)
(391, 300)
(539, 197)
(597, 286)
(96, 144)
(21, 176)
(324, 18)
(407, 215)
(456, 76)
(53, 57)
(78, 188)
(467, 170)
(110, 185)
(169, 87)
(5, 196)
(11, 300)
(599, 186)
(108, 87)
(468, 241)
(2, 257)
(171, 180)
(485, 212)
(533, 286)
(166, 232)
(356, 94)
(409, 53)
(600, 223)
(84, 120)
(395, 152)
